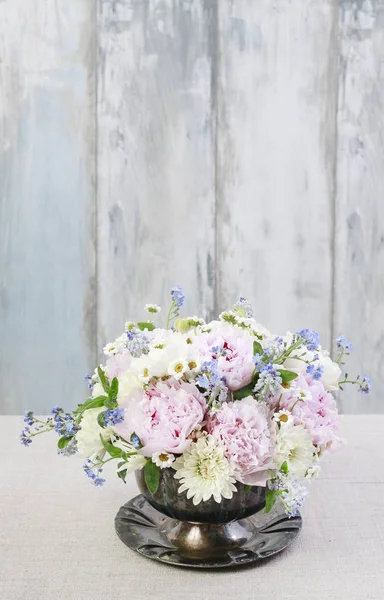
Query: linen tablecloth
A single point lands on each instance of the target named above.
(57, 538)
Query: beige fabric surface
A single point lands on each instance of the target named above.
(57, 538)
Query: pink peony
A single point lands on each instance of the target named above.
(117, 363)
(233, 348)
(163, 416)
(317, 412)
(247, 432)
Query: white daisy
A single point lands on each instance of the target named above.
(283, 417)
(163, 459)
(294, 446)
(152, 308)
(177, 368)
(204, 471)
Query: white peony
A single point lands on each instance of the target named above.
(88, 438)
(294, 446)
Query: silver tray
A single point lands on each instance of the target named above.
(203, 545)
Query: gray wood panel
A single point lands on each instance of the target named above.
(47, 156)
(156, 158)
(277, 114)
(359, 226)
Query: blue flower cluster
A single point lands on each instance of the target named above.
(291, 492)
(112, 417)
(210, 381)
(365, 385)
(24, 437)
(29, 417)
(137, 343)
(343, 344)
(310, 338)
(97, 481)
(269, 382)
(177, 296)
(243, 308)
(315, 371)
(65, 424)
(135, 441)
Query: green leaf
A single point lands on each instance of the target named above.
(247, 487)
(257, 348)
(101, 419)
(152, 476)
(244, 392)
(63, 442)
(287, 376)
(112, 450)
(122, 474)
(146, 325)
(114, 389)
(91, 403)
(284, 467)
(103, 380)
(270, 500)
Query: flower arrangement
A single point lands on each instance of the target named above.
(217, 403)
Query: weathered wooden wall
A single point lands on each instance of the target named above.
(232, 147)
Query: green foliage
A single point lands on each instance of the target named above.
(257, 348)
(122, 474)
(243, 392)
(152, 476)
(284, 467)
(270, 500)
(103, 380)
(287, 376)
(91, 403)
(146, 325)
(63, 442)
(101, 419)
(112, 450)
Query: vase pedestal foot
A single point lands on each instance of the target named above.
(204, 545)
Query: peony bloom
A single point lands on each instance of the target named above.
(233, 348)
(118, 363)
(247, 432)
(163, 416)
(204, 472)
(313, 407)
(294, 446)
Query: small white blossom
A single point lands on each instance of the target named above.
(313, 472)
(177, 368)
(163, 459)
(283, 417)
(152, 308)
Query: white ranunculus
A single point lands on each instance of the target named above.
(88, 438)
(331, 375)
(294, 446)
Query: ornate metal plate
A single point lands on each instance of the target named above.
(152, 534)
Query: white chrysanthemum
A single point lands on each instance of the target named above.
(114, 347)
(88, 438)
(294, 446)
(163, 459)
(204, 471)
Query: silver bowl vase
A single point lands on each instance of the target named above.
(168, 527)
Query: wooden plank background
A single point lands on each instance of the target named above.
(229, 147)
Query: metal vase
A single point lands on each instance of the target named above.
(210, 528)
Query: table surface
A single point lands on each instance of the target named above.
(57, 538)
